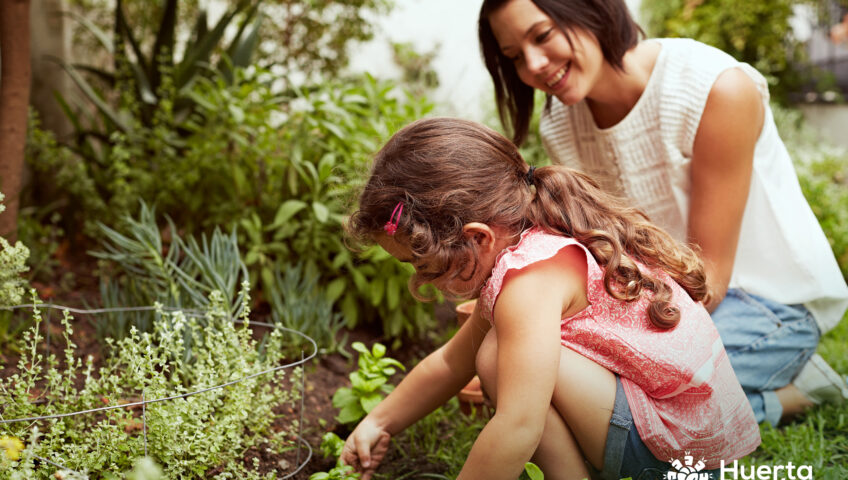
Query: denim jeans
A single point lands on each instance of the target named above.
(767, 343)
(625, 455)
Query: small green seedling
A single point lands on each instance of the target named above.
(331, 446)
(532, 472)
(368, 384)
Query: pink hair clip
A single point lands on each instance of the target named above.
(391, 226)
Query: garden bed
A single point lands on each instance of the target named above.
(324, 375)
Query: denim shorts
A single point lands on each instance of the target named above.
(767, 344)
(625, 455)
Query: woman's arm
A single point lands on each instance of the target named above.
(722, 162)
(527, 325)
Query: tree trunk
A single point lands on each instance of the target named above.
(15, 80)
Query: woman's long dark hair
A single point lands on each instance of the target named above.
(449, 172)
(608, 20)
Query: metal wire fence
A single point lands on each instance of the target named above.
(144, 401)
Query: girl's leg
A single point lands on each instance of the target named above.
(580, 413)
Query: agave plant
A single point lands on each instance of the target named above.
(159, 75)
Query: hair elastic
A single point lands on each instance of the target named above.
(392, 225)
(528, 177)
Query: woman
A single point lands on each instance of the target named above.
(686, 133)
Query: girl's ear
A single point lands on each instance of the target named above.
(480, 233)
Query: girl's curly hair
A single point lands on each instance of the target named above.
(449, 172)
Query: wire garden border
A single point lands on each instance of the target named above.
(144, 402)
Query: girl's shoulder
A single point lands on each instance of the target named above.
(534, 247)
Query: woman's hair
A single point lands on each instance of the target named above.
(608, 20)
(449, 172)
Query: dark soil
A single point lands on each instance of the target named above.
(324, 375)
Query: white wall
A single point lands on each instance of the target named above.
(465, 88)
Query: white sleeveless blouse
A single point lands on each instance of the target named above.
(782, 254)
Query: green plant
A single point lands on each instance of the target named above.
(532, 472)
(758, 32)
(298, 303)
(368, 383)
(188, 436)
(823, 173)
(12, 265)
(331, 447)
(13, 260)
(182, 273)
(40, 228)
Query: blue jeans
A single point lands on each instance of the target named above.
(625, 455)
(767, 343)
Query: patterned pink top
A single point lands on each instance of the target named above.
(681, 389)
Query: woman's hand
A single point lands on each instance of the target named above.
(365, 448)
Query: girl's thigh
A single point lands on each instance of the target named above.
(767, 342)
(584, 395)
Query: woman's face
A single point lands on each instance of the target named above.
(541, 53)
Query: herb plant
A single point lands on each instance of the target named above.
(368, 383)
(331, 446)
(187, 436)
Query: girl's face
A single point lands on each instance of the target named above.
(450, 286)
(542, 55)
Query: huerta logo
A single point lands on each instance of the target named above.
(688, 469)
(790, 471)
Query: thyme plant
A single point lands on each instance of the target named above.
(188, 436)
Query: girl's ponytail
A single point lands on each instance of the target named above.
(617, 236)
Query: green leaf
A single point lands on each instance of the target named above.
(393, 292)
(370, 401)
(371, 385)
(343, 396)
(361, 348)
(335, 289)
(286, 211)
(534, 472)
(237, 113)
(350, 413)
(359, 280)
(350, 310)
(322, 213)
(378, 288)
(378, 350)
(95, 98)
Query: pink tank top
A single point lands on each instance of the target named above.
(681, 389)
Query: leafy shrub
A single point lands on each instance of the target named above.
(182, 273)
(13, 260)
(755, 31)
(823, 173)
(368, 383)
(188, 436)
(284, 166)
(12, 264)
(332, 446)
(299, 304)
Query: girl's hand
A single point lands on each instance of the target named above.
(365, 448)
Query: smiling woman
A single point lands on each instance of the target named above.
(685, 133)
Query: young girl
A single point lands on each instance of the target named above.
(685, 133)
(588, 336)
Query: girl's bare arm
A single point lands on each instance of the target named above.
(527, 324)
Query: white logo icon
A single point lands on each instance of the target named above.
(688, 469)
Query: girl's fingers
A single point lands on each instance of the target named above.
(363, 450)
